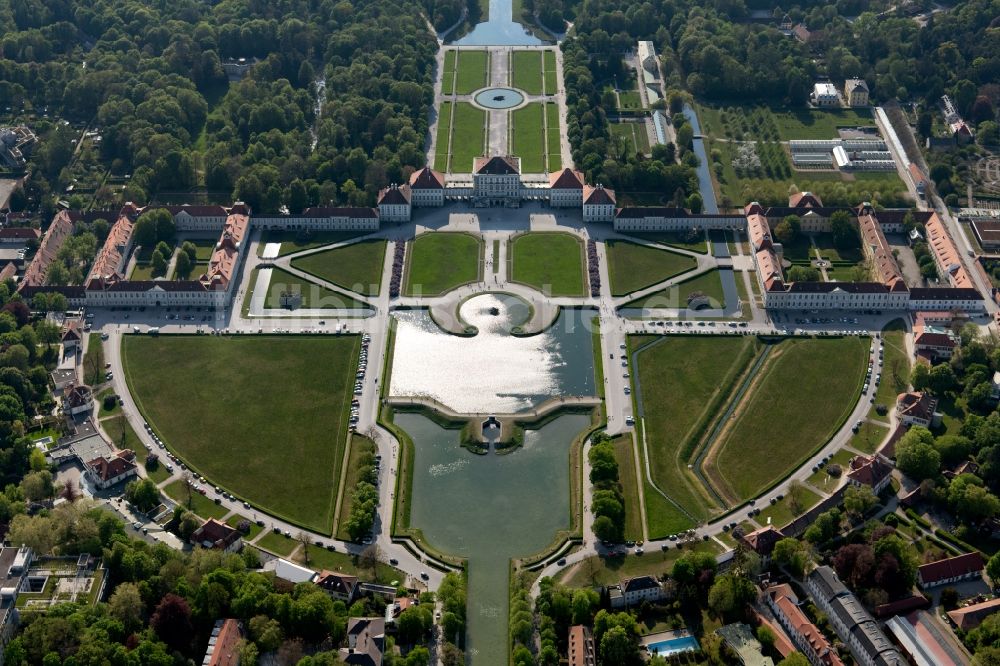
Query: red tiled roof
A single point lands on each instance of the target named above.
(19, 233)
(332, 581)
(598, 196)
(883, 263)
(971, 617)
(215, 532)
(57, 233)
(947, 253)
(497, 165)
(226, 651)
(960, 565)
(198, 211)
(869, 470)
(762, 541)
(786, 601)
(394, 195)
(916, 404)
(567, 179)
(110, 256)
(804, 200)
(109, 469)
(427, 179)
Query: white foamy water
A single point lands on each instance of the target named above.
(490, 372)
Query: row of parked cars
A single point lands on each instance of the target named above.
(359, 383)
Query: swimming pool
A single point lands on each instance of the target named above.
(673, 646)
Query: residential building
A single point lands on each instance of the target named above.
(339, 586)
(873, 471)
(58, 231)
(18, 235)
(14, 564)
(224, 644)
(365, 641)
(496, 181)
(566, 189)
(633, 591)
(987, 233)
(15, 144)
(105, 472)
(917, 408)
(741, 640)
(290, 571)
(804, 634)
(188, 217)
(78, 400)
(599, 205)
(947, 257)
(580, 649)
(934, 342)
(856, 92)
(647, 58)
(427, 187)
(110, 261)
(968, 618)
(853, 624)
(217, 535)
(877, 250)
(825, 94)
(762, 541)
(72, 336)
(968, 566)
(394, 203)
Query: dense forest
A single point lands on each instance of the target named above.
(713, 51)
(150, 76)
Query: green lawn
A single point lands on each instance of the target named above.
(99, 400)
(550, 262)
(297, 241)
(602, 571)
(822, 479)
(278, 544)
(93, 361)
(255, 529)
(807, 389)
(263, 416)
(361, 446)
(551, 81)
(708, 283)
(632, 266)
(439, 262)
(448, 73)
(662, 517)
(761, 122)
(320, 558)
(625, 457)
(677, 240)
(313, 295)
(527, 137)
(203, 248)
(527, 74)
(144, 271)
(443, 142)
(683, 381)
(120, 431)
(629, 100)
(357, 266)
(634, 135)
(199, 503)
(468, 138)
(472, 69)
(553, 137)
(895, 369)
(868, 436)
(796, 501)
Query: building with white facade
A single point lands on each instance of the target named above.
(825, 94)
(394, 203)
(856, 92)
(427, 187)
(566, 189)
(496, 181)
(647, 58)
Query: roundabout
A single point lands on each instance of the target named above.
(498, 98)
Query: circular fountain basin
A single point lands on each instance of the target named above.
(499, 98)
